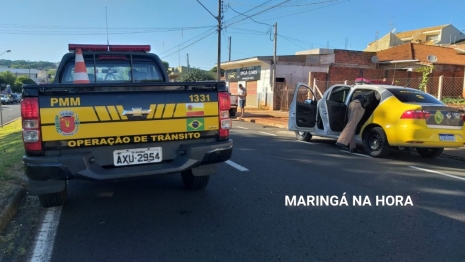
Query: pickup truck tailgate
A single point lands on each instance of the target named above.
(127, 118)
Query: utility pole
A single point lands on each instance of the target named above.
(188, 63)
(218, 63)
(229, 49)
(218, 18)
(274, 55)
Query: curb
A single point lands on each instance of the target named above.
(10, 206)
(11, 121)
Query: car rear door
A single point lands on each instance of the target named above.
(336, 107)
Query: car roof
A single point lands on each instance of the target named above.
(381, 88)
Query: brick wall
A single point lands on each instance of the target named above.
(358, 58)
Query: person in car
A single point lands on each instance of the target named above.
(357, 107)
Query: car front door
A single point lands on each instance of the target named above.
(302, 111)
(336, 107)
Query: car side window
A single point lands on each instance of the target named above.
(339, 94)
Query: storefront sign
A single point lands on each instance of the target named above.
(243, 74)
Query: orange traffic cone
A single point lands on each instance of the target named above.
(80, 71)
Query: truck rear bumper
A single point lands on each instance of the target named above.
(51, 169)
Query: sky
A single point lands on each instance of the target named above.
(185, 31)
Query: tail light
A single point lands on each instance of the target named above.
(415, 114)
(31, 124)
(224, 104)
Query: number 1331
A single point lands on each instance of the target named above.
(199, 98)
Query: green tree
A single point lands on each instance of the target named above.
(7, 78)
(19, 82)
(214, 71)
(196, 74)
(167, 66)
(51, 73)
(425, 70)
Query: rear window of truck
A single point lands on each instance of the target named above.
(115, 69)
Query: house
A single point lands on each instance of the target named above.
(31, 73)
(443, 35)
(330, 66)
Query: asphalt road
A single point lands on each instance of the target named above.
(10, 112)
(242, 216)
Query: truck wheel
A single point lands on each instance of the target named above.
(232, 112)
(375, 143)
(194, 182)
(53, 199)
(429, 152)
(303, 136)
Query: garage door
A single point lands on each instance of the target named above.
(251, 94)
(233, 87)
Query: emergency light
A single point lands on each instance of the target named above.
(114, 48)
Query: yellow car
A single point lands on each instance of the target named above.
(403, 118)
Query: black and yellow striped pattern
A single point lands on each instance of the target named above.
(107, 121)
(115, 113)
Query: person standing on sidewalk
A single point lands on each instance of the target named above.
(241, 98)
(357, 108)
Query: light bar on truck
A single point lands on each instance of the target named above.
(145, 48)
(73, 47)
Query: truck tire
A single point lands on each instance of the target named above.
(429, 152)
(232, 112)
(194, 182)
(54, 199)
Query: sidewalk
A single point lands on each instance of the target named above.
(280, 119)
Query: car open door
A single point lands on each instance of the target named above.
(302, 111)
(336, 107)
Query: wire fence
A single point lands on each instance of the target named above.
(449, 90)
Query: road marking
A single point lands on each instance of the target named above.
(268, 133)
(236, 166)
(345, 151)
(241, 127)
(436, 172)
(44, 241)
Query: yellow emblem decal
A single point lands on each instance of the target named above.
(438, 117)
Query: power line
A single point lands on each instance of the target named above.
(261, 12)
(200, 35)
(187, 45)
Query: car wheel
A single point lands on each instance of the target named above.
(375, 143)
(54, 199)
(429, 152)
(194, 182)
(232, 112)
(303, 136)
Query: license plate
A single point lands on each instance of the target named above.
(444, 137)
(137, 156)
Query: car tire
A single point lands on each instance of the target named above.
(429, 152)
(375, 143)
(54, 199)
(232, 112)
(303, 136)
(192, 182)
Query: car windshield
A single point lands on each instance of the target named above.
(413, 96)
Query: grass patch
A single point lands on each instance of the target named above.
(11, 150)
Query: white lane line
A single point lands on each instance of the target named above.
(236, 166)
(345, 151)
(268, 133)
(44, 241)
(286, 132)
(437, 172)
(240, 127)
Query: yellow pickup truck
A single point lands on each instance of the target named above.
(112, 114)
